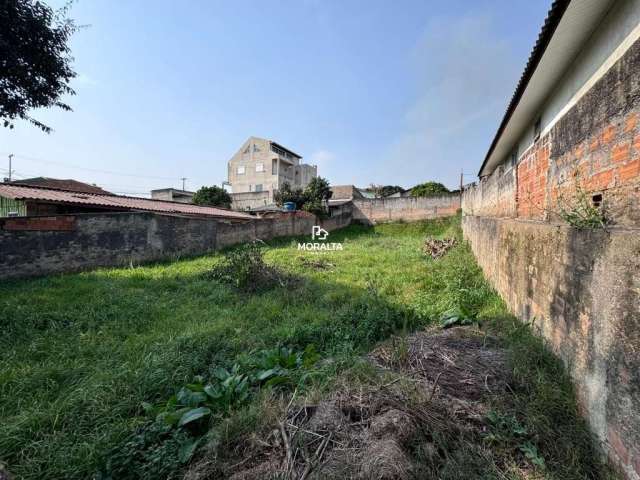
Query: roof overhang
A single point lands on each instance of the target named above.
(567, 27)
(285, 149)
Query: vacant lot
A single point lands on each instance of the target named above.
(81, 354)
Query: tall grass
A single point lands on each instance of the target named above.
(80, 353)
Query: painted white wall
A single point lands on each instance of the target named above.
(619, 29)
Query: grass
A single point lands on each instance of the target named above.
(80, 353)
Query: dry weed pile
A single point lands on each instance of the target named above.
(406, 428)
(436, 248)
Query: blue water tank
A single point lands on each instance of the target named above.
(289, 206)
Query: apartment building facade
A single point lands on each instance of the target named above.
(262, 165)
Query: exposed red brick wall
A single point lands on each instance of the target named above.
(532, 175)
(66, 223)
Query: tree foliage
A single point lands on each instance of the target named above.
(387, 190)
(35, 60)
(288, 194)
(213, 196)
(428, 189)
(312, 199)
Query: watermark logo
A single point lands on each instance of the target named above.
(319, 233)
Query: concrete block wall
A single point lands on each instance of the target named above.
(34, 246)
(372, 211)
(43, 245)
(581, 290)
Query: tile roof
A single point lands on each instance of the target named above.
(118, 202)
(68, 184)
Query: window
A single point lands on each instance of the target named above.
(240, 170)
(258, 187)
(536, 129)
(274, 167)
(259, 167)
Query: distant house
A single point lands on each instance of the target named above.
(27, 200)
(262, 166)
(172, 195)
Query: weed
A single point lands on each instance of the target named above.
(580, 211)
(244, 268)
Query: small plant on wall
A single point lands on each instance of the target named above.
(582, 209)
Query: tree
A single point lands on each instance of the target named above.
(312, 199)
(287, 194)
(387, 190)
(35, 61)
(428, 189)
(317, 194)
(212, 197)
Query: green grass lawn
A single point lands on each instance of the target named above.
(80, 353)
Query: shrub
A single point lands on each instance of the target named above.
(245, 269)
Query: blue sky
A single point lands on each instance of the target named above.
(387, 92)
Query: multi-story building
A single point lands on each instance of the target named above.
(264, 166)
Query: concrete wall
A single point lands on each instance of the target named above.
(247, 200)
(372, 211)
(33, 246)
(581, 288)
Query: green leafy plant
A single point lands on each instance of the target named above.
(580, 211)
(277, 366)
(506, 430)
(197, 401)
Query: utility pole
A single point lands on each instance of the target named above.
(461, 180)
(10, 158)
(183, 180)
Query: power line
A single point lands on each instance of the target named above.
(95, 170)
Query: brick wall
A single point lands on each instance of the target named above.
(493, 196)
(405, 208)
(592, 151)
(581, 286)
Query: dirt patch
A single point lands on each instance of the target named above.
(458, 362)
(436, 248)
(410, 427)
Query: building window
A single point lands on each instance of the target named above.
(536, 129)
(258, 187)
(240, 170)
(259, 167)
(274, 166)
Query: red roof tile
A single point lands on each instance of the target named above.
(57, 184)
(117, 202)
